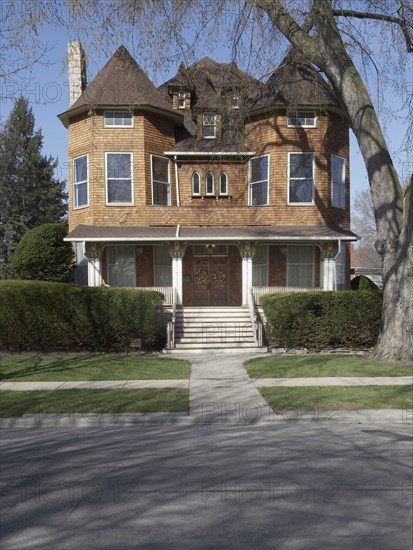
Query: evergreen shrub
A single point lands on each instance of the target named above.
(45, 316)
(319, 320)
(43, 255)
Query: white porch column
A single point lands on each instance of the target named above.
(94, 272)
(328, 255)
(177, 279)
(177, 252)
(247, 252)
(93, 254)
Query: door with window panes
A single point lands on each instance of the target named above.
(210, 275)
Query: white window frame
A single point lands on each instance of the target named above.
(224, 193)
(214, 125)
(338, 188)
(289, 178)
(250, 183)
(123, 113)
(168, 183)
(81, 182)
(302, 264)
(206, 183)
(300, 119)
(181, 95)
(199, 183)
(132, 202)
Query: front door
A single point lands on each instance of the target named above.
(210, 276)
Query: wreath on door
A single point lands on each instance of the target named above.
(202, 277)
(219, 276)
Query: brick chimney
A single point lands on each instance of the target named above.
(77, 70)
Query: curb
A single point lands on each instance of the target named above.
(104, 420)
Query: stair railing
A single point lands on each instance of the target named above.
(255, 319)
(170, 327)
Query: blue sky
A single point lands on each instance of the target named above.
(46, 87)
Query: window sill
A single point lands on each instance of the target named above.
(209, 197)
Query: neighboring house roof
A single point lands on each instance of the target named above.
(155, 233)
(296, 83)
(121, 82)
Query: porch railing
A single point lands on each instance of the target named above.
(170, 327)
(167, 291)
(258, 291)
(255, 319)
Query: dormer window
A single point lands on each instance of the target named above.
(209, 122)
(235, 104)
(181, 99)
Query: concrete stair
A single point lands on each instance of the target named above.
(214, 328)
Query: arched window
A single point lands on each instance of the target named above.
(223, 184)
(196, 184)
(209, 183)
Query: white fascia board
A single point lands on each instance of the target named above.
(209, 239)
(209, 154)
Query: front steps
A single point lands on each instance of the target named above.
(223, 329)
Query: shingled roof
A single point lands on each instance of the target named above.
(209, 80)
(121, 82)
(296, 82)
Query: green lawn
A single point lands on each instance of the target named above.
(301, 366)
(17, 403)
(61, 368)
(338, 397)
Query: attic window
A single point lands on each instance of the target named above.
(181, 99)
(235, 101)
(208, 125)
(118, 119)
(301, 119)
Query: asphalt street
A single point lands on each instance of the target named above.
(292, 485)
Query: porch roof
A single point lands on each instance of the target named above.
(96, 233)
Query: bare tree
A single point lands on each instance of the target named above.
(331, 34)
(364, 225)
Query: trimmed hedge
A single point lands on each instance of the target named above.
(318, 320)
(45, 316)
(43, 255)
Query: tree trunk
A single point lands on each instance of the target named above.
(394, 216)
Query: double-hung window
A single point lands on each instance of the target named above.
(301, 119)
(80, 182)
(300, 178)
(118, 119)
(338, 181)
(119, 178)
(300, 266)
(209, 125)
(162, 266)
(258, 180)
(121, 265)
(260, 266)
(161, 181)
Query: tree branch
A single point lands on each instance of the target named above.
(380, 17)
(296, 34)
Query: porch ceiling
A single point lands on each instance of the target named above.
(93, 233)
